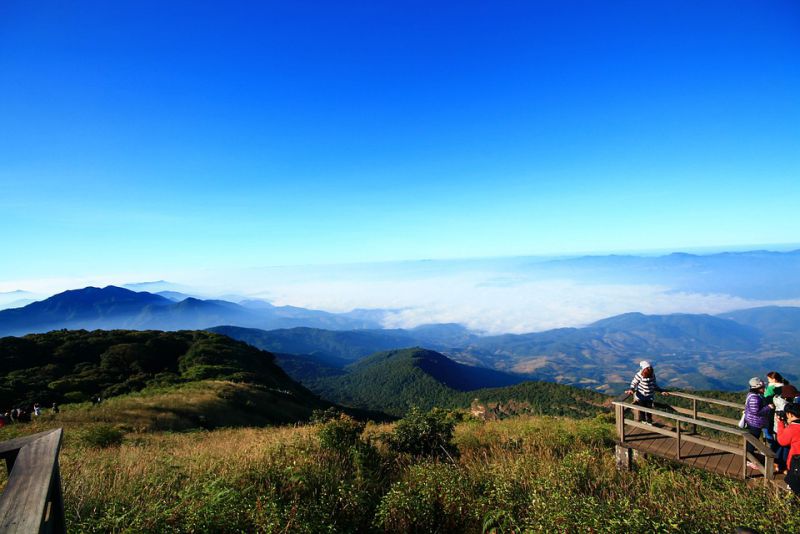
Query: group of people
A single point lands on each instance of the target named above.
(772, 410)
(22, 415)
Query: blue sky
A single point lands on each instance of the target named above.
(153, 137)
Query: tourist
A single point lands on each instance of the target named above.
(37, 410)
(644, 388)
(779, 392)
(789, 436)
(772, 394)
(55, 408)
(757, 413)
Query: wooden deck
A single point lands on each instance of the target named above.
(677, 436)
(692, 454)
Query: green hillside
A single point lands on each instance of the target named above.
(394, 381)
(74, 366)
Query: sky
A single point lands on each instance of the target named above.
(146, 140)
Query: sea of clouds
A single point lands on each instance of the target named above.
(488, 296)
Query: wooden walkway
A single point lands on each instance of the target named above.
(675, 436)
(692, 454)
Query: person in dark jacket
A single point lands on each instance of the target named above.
(757, 412)
(644, 388)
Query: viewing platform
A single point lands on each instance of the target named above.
(703, 440)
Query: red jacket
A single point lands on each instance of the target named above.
(789, 436)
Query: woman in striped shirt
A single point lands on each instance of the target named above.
(643, 388)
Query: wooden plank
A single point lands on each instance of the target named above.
(697, 456)
(709, 416)
(620, 417)
(715, 459)
(706, 399)
(713, 444)
(697, 452)
(680, 418)
(759, 445)
(664, 445)
(733, 467)
(23, 502)
(13, 445)
(694, 453)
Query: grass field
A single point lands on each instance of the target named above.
(537, 474)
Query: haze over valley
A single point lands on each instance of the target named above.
(706, 319)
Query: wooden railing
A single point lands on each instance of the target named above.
(696, 418)
(31, 501)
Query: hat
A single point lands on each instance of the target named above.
(644, 364)
(756, 383)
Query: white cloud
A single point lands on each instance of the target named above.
(492, 298)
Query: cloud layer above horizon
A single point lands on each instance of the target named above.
(505, 295)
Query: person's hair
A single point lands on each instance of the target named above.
(776, 376)
(648, 372)
(793, 409)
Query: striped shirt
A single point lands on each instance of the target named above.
(644, 388)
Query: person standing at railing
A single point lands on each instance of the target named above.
(779, 392)
(757, 413)
(789, 436)
(644, 388)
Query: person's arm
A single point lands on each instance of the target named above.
(658, 388)
(635, 382)
(766, 409)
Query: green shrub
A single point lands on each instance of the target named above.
(75, 396)
(323, 416)
(102, 436)
(431, 497)
(340, 434)
(424, 434)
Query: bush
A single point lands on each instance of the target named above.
(424, 434)
(340, 434)
(102, 436)
(75, 396)
(430, 497)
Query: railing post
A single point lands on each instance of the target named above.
(57, 520)
(678, 440)
(620, 413)
(744, 459)
(694, 415)
(769, 469)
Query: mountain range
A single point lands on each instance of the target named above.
(691, 350)
(114, 307)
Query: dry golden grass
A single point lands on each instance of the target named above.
(525, 474)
